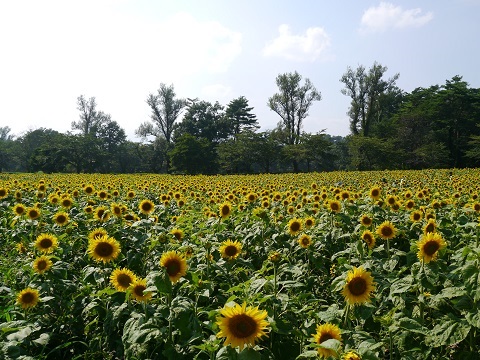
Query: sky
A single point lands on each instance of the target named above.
(119, 51)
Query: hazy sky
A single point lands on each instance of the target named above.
(119, 51)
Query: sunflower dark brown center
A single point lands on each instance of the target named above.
(104, 249)
(325, 337)
(430, 228)
(178, 235)
(431, 247)
(295, 226)
(33, 213)
(124, 280)
(46, 243)
(367, 221)
(305, 241)
(387, 231)
(66, 203)
(19, 210)
(242, 326)
(416, 216)
(231, 250)
(28, 298)
(375, 193)
(41, 265)
(225, 210)
(368, 238)
(138, 290)
(357, 286)
(173, 267)
(308, 223)
(61, 219)
(146, 206)
(334, 206)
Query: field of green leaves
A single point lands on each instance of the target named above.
(340, 265)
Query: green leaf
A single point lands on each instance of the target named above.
(473, 318)
(249, 354)
(43, 339)
(412, 325)
(162, 281)
(402, 285)
(448, 332)
(309, 354)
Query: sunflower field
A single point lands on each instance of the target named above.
(339, 265)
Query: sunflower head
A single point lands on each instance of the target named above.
(386, 230)
(366, 220)
(375, 193)
(42, 264)
(242, 325)
(175, 265)
(104, 248)
(304, 241)
(121, 279)
(294, 226)
(178, 233)
(230, 250)
(225, 210)
(33, 213)
(146, 206)
(102, 214)
(416, 216)
(61, 218)
(358, 286)
(46, 243)
(351, 355)
(369, 238)
(309, 222)
(429, 246)
(430, 226)
(326, 332)
(138, 288)
(334, 206)
(28, 298)
(19, 209)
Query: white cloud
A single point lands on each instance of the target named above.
(217, 92)
(387, 15)
(306, 47)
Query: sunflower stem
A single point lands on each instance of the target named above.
(388, 249)
(421, 297)
(346, 323)
(170, 332)
(390, 352)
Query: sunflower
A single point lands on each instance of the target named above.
(366, 220)
(351, 355)
(416, 216)
(3, 193)
(358, 286)
(294, 226)
(429, 246)
(178, 233)
(46, 243)
(89, 189)
(102, 214)
(33, 213)
(19, 209)
(241, 325)
(175, 264)
(334, 206)
(97, 233)
(225, 210)
(146, 206)
(28, 298)
(309, 222)
(386, 230)
(42, 264)
(326, 332)
(274, 257)
(61, 218)
(251, 197)
(121, 279)
(66, 202)
(116, 209)
(230, 249)
(375, 193)
(430, 227)
(304, 241)
(138, 287)
(104, 248)
(369, 238)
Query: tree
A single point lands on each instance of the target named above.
(90, 118)
(193, 155)
(293, 102)
(165, 111)
(373, 98)
(204, 120)
(6, 145)
(239, 114)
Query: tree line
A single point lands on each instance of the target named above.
(435, 127)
